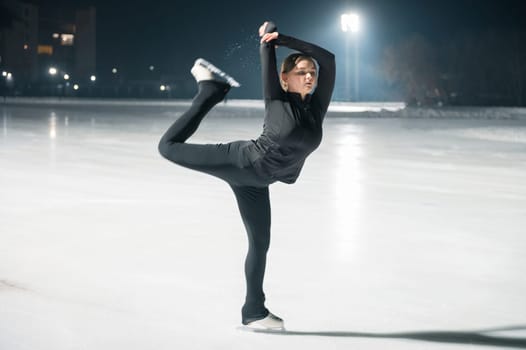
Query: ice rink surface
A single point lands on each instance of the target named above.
(401, 233)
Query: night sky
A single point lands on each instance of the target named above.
(170, 34)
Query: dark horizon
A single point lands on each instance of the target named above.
(171, 35)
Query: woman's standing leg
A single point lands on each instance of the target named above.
(254, 206)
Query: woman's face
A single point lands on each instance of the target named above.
(301, 79)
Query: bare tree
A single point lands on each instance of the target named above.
(411, 67)
(471, 68)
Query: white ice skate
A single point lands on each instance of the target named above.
(200, 73)
(204, 70)
(269, 323)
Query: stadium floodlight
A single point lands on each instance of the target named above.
(350, 22)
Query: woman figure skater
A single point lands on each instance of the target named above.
(296, 102)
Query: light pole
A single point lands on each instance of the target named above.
(53, 88)
(350, 24)
(116, 84)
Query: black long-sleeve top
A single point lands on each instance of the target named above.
(293, 127)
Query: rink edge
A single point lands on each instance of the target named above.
(336, 109)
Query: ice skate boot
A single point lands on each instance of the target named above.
(204, 70)
(200, 73)
(269, 323)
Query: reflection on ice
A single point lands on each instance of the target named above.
(346, 184)
(53, 125)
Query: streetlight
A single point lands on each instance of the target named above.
(93, 78)
(52, 71)
(66, 76)
(351, 23)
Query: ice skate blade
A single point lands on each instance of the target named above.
(261, 330)
(218, 72)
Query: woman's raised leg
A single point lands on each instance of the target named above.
(209, 93)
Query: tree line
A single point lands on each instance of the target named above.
(487, 68)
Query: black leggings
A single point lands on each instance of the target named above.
(225, 161)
